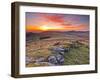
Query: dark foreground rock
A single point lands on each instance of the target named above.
(56, 59)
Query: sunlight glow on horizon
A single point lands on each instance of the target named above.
(53, 28)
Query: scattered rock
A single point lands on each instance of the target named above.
(56, 59)
(29, 59)
(41, 59)
(52, 59)
(60, 59)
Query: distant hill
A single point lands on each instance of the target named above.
(31, 36)
(49, 34)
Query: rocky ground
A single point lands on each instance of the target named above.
(56, 52)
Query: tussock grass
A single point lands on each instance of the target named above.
(77, 56)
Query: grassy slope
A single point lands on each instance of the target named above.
(77, 56)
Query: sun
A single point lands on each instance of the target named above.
(51, 28)
(45, 28)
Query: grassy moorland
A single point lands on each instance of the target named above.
(58, 49)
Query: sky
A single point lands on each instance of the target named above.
(37, 22)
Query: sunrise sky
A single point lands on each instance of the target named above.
(37, 22)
